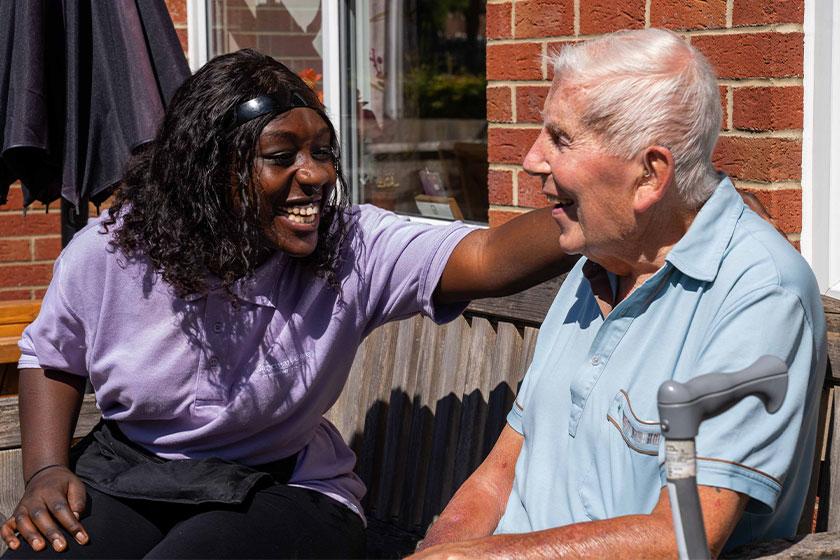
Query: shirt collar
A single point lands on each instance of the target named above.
(700, 251)
(259, 289)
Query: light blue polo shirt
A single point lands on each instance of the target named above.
(731, 290)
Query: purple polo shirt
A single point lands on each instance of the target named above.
(203, 377)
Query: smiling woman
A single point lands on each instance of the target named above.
(216, 311)
(295, 170)
(197, 141)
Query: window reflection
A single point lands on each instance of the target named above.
(288, 30)
(420, 118)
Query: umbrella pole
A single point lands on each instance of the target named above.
(73, 219)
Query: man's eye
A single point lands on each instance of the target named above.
(560, 141)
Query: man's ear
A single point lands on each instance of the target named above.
(657, 177)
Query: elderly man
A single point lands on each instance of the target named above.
(679, 279)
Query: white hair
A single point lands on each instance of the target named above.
(648, 87)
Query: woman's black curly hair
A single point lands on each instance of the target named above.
(177, 205)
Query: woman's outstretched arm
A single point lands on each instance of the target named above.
(505, 259)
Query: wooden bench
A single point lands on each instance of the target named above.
(14, 316)
(425, 403)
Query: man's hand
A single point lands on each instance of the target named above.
(54, 496)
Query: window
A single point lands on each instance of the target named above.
(403, 81)
(415, 132)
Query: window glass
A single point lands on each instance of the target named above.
(416, 136)
(288, 30)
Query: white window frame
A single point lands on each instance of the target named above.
(820, 241)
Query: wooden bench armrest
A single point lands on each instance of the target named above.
(804, 547)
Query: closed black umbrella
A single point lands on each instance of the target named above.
(82, 84)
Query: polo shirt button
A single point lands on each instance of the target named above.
(214, 361)
(217, 327)
(596, 360)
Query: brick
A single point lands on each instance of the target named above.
(39, 293)
(530, 100)
(499, 217)
(604, 16)
(20, 275)
(754, 55)
(767, 108)
(759, 159)
(9, 295)
(183, 37)
(47, 248)
(530, 191)
(14, 198)
(509, 145)
(766, 12)
(544, 18)
(724, 107)
(552, 48)
(519, 61)
(14, 201)
(15, 250)
(500, 187)
(499, 104)
(177, 11)
(783, 205)
(499, 17)
(34, 223)
(688, 14)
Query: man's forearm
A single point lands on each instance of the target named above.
(476, 508)
(469, 515)
(630, 536)
(633, 536)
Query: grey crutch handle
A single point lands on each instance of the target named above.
(683, 406)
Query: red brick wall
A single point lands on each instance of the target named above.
(756, 47)
(28, 246)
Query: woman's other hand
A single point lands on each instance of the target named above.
(54, 498)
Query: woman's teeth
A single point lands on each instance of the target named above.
(299, 214)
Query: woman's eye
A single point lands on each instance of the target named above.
(282, 158)
(323, 153)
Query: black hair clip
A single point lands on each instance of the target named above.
(265, 104)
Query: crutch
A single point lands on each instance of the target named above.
(682, 407)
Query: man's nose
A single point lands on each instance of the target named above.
(535, 162)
